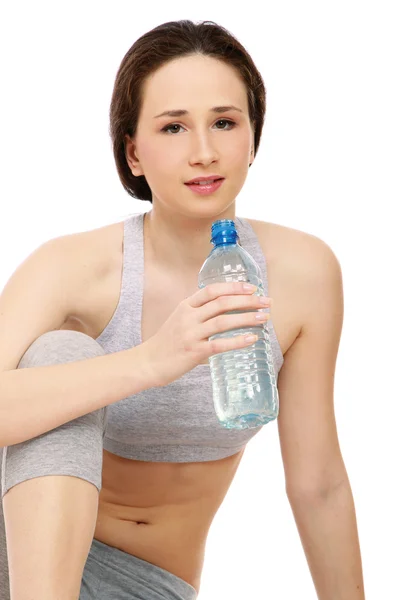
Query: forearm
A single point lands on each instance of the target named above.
(328, 531)
(37, 399)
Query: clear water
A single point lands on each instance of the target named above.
(245, 390)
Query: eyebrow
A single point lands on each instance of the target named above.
(179, 112)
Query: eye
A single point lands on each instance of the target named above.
(167, 128)
(227, 121)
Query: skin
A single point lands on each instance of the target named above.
(200, 146)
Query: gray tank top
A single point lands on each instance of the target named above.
(176, 422)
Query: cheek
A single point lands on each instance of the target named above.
(147, 152)
(239, 150)
(156, 160)
(158, 164)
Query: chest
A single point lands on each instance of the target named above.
(162, 292)
(161, 296)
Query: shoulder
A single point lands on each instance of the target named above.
(91, 257)
(286, 238)
(305, 264)
(93, 251)
(304, 254)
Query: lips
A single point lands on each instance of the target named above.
(209, 182)
(206, 188)
(211, 178)
(203, 182)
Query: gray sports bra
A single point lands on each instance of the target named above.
(177, 422)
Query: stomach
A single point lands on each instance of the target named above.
(162, 512)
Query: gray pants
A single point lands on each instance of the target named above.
(76, 448)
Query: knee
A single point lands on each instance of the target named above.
(60, 346)
(74, 448)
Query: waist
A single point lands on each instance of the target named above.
(176, 544)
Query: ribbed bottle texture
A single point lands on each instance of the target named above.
(244, 381)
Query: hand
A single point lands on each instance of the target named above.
(182, 341)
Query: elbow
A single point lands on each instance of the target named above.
(316, 492)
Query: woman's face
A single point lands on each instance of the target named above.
(170, 150)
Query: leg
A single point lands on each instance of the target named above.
(50, 489)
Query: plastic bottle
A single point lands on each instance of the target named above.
(245, 393)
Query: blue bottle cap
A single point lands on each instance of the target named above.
(223, 231)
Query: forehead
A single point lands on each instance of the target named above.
(190, 82)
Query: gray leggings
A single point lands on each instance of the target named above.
(76, 448)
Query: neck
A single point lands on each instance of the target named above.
(179, 243)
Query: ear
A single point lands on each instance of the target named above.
(131, 157)
(252, 156)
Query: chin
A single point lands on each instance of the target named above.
(209, 207)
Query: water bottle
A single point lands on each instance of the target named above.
(244, 385)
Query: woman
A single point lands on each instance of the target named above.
(114, 465)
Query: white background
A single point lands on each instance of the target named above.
(328, 164)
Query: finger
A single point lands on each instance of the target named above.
(226, 344)
(229, 304)
(225, 323)
(214, 290)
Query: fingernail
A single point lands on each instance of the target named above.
(248, 286)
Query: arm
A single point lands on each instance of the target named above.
(317, 485)
(36, 400)
(37, 298)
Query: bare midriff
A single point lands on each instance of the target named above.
(162, 512)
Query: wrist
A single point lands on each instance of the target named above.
(146, 364)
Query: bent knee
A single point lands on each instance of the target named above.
(60, 346)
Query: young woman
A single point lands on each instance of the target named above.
(114, 464)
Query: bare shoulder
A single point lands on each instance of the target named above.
(277, 237)
(301, 268)
(302, 253)
(94, 256)
(52, 283)
(92, 251)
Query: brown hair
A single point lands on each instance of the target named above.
(152, 50)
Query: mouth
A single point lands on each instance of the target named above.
(205, 187)
(205, 183)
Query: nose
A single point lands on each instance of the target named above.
(203, 150)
